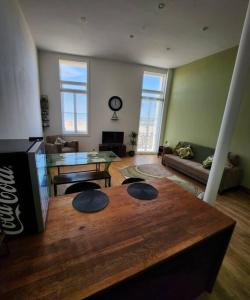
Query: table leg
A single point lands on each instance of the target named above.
(107, 164)
(106, 169)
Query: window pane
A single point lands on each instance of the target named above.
(74, 95)
(152, 95)
(150, 123)
(81, 103)
(152, 82)
(151, 111)
(69, 124)
(68, 102)
(81, 122)
(74, 87)
(73, 71)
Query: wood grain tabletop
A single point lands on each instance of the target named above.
(80, 254)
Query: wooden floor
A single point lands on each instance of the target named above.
(233, 281)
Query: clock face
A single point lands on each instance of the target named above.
(115, 103)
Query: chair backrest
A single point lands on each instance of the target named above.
(82, 186)
(132, 179)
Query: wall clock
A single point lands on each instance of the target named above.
(115, 104)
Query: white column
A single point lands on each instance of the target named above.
(232, 108)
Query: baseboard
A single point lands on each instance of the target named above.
(245, 189)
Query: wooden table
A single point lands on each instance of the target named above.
(167, 248)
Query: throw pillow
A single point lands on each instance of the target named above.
(59, 141)
(177, 147)
(207, 163)
(185, 152)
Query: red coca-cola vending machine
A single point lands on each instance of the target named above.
(23, 186)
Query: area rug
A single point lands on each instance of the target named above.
(147, 171)
(152, 171)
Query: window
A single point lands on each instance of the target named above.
(74, 96)
(152, 103)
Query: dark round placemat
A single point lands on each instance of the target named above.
(90, 201)
(142, 191)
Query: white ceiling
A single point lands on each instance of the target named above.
(56, 26)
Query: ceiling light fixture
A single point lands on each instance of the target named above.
(204, 28)
(161, 5)
(83, 20)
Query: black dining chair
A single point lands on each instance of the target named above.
(132, 179)
(82, 186)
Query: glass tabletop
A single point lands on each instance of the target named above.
(80, 158)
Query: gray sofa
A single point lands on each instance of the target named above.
(51, 147)
(193, 167)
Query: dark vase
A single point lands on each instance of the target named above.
(131, 153)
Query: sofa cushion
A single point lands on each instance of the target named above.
(198, 171)
(68, 149)
(172, 158)
(200, 152)
(51, 138)
(189, 167)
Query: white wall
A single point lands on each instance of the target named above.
(19, 84)
(107, 78)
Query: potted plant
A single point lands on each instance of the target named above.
(133, 142)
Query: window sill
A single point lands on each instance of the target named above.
(146, 152)
(76, 134)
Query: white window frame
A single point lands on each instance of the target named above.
(161, 97)
(161, 93)
(74, 91)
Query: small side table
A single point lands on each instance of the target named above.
(160, 151)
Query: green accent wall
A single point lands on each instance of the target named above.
(197, 101)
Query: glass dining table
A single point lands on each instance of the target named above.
(59, 160)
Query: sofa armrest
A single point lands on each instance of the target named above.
(73, 144)
(167, 150)
(234, 159)
(231, 178)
